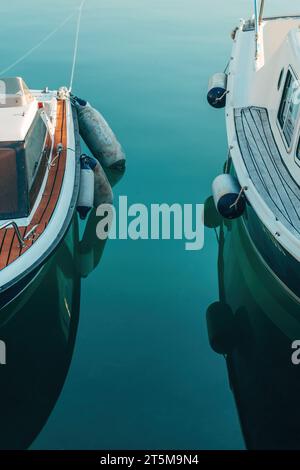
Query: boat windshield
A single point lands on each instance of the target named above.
(14, 92)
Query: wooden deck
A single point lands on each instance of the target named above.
(10, 248)
(266, 168)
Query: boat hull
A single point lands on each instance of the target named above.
(266, 321)
(283, 265)
(10, 290)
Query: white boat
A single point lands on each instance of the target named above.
(260, 90)
(39, 179)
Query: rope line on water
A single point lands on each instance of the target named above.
(49, 36)
(37, 46)
(76, 44)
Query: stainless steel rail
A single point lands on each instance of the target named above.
(258, 17)
(21, 240)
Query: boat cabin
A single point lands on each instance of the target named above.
(25, 145)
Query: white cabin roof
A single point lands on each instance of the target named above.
(18, 108)
(15, 122)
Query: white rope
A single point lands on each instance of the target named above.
(245, 188)
(33, 49)
(76, 44)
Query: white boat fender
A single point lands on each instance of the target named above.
(228, 196)
(98, 136)
(217, 90)
(94, 186)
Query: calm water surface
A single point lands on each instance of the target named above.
(142, 373)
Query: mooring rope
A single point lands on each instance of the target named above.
(242, 191)
(37, 46)
(49, 36)
(76, 45)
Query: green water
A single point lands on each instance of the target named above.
(142, 374)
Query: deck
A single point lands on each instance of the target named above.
(10, 248)
(266, 168)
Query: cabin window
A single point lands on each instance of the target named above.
(34, 147)
(280, 79)
(37, 151)
(8, 186)
(289, 107)
(13, 186)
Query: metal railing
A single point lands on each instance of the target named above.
(261, 12)
(258, 17)
(21, 239)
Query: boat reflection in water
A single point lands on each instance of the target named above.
(253, 325)
(39, 330)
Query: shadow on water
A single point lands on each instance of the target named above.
(39, 331)
(253, 325)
